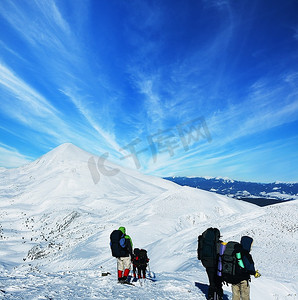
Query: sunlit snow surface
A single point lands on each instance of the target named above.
(55, 226)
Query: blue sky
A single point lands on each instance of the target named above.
(194, 88)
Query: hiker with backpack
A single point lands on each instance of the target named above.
(121, 247)
(241, 289)
(236, 265)
(140, 262)
(208, 251)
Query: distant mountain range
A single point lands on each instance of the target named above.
(258, 193)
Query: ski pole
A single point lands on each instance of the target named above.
(149, 272)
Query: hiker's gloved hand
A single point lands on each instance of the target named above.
(257, 274)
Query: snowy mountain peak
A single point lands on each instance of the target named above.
(64, 156)
(66, 147)
(66, 152)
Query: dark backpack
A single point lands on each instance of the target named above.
(143, 257)
(228, 266)
(118, 243)
(208, 244)
(140, 257)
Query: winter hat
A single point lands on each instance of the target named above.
(246, 242)
(122, 229)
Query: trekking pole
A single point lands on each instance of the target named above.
(150, 273)
(149, 269)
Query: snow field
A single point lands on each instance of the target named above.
(55, 224)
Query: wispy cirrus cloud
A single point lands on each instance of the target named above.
(60, 52)
(23, 103)
(201, 82)
(45, 25)
(189, 76)
(266, 107)
(80, 104)
(26, 96)
(11, 157)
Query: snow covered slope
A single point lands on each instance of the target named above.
(56, 220)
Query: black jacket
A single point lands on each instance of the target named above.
(249, 267)
(128, 247)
